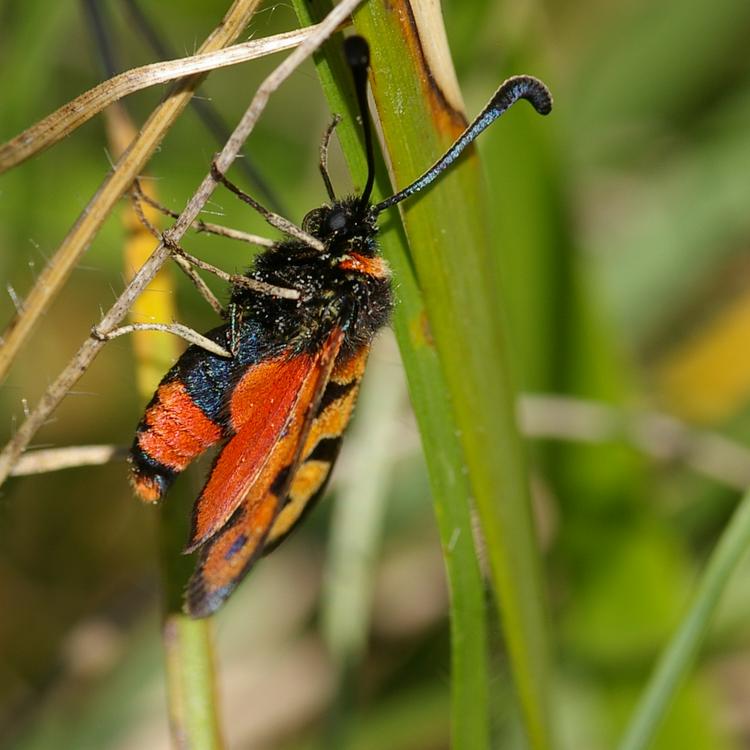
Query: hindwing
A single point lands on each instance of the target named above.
(294, 478)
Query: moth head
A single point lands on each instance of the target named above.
(342, 227)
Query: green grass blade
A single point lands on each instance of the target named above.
(190, 671)
(680, 654)
(429, 395)
(449, 239)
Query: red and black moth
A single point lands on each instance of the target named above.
(280, 404)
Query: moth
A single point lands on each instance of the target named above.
(279, 405)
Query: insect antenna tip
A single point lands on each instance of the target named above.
(357, 52)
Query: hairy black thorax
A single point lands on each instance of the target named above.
(347, 285)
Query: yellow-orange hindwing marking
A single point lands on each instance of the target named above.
(321, 447)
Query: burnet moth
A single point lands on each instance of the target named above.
(279, 405)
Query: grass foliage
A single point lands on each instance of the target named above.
(600, 253)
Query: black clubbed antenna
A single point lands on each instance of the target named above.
(510, 91)
(357, 54)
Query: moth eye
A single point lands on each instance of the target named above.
(337, 221)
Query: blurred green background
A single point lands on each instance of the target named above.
(623, 228)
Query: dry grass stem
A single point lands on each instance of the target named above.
(55, 273)
(75, 113)
(91, 346)
(55, 459)
(176, 329)
(658, 435)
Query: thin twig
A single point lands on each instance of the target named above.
(279, 222)
(257, 286)
(91, 346)
(129, 166)
(202, 226)
(658, 435)
(176, 329)
(548, 417)
(55, 459)
(76, 112)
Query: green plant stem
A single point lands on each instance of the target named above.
(448, 235)
(188, 648)
(681, 652)
(188, 644)
(429, 396)
(190, 670)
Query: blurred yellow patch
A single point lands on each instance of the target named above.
(707, 377)
(154, 352)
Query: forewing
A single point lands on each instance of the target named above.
(268, 409)
(229, 554)
(263, 406)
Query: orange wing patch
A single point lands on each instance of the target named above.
(228, 556)
(177, 431)
(267, 391)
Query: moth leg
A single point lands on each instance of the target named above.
(139, 196)
(188, 263)
(176, 329)
(230, 278)
(234, 315)
(323, 163)
(279, 222)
